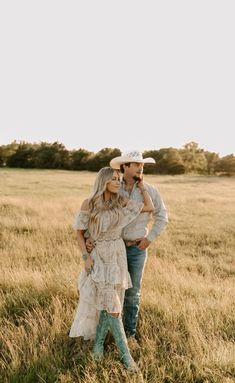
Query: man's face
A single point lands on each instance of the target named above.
(134, 170)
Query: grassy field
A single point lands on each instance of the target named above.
(187, 317)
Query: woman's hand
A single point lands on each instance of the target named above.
(141, 183)
(89, 265)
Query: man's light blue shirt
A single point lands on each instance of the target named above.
(139, 227)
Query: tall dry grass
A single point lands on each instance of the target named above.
(187, 316)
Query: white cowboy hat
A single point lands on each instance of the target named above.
(134, 156)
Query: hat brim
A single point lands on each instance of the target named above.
(116, 162)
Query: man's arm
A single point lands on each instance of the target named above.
(89, 244)
(159, 215)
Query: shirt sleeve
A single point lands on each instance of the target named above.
(131, 211)
(81, 220)
(159, 215)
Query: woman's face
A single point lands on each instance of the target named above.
(114, 184)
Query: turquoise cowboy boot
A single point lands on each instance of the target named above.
(119, 335)
(101, 332)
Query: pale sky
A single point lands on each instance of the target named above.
(126, 74)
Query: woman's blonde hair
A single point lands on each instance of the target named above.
(97, 205)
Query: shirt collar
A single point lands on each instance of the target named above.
(123, 183)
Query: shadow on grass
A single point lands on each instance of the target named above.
(68, 360)
(65, 355)
(165, 357)
(165, 340)
(18, 303)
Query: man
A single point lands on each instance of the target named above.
(136, 235)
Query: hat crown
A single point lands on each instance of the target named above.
(131, 156)
(134, 155)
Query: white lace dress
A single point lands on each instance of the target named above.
(104, 288)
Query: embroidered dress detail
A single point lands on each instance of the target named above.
(81, 221)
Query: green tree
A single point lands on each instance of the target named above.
(212, 159)
(51, 156)
(193, 158)
(226, 165)
(1, 157)
(78, 159)
(102, 158)
(168, 161)
(23, 157)
(8, 150)
(152, 168)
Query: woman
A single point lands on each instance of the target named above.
(105, 277)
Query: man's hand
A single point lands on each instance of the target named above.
(144, 243)
(89, 245)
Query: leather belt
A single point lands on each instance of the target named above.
(131, 243)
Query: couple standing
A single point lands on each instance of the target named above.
(116, 217)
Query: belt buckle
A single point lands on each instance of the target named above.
(132, 243)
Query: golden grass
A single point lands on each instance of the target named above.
(187, 316)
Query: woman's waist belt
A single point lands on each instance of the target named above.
(107, 239)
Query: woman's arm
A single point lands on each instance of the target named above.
(81, 241)
(148, 203)
(88, 261)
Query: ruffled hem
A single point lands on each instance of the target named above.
(109, 301)
(103, 295)
(97, 294)
(85, 321)
(111, 274)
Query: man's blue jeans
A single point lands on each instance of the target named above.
(136, 261)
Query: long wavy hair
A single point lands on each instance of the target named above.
(97, 205)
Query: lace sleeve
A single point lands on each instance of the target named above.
(81, 220)
(131, 211)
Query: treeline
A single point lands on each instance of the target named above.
(189, 159)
